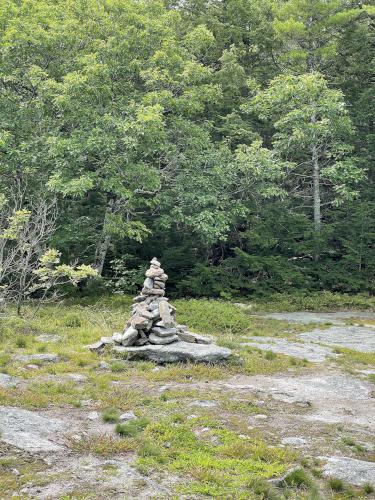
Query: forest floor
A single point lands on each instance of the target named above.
(291, 415)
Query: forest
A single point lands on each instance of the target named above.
(232, 139)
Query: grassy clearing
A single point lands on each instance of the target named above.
(318, 301)
(208, 446)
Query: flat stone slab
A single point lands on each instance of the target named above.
(303, 350)
(30, 431)
(177, 351)
(45, 358)
(48, 337)
(357, 472)
(306, 317)
(352, 337)
(8, 381)
(330, 397)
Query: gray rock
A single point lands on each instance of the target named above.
(30, 431)
(293, 441)
(129, 336)
(312, 352)
(332, 397)
(125, 417)
(103, 365)
(96, 346)
(138, 322)
(352, 337)
(153, 291)
(45, 358)
(153, 272)
(8, 381)
(47, 337)
(194, 338)
(116, 337)
(306, 317)
(154, 261)
(165, 314)
(177, 351)
(205, 403)
(145, 314)
(106, 340)
(148, 283)
(357, 472)
(139, 298)
(157, 340)
(163, 332)
(182, 328)
(76, 377)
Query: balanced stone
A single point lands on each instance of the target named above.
(158, 340)
(152, 328)
(129, 336)
(163, 332)
(139, 322)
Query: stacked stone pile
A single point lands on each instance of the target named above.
(153, 318)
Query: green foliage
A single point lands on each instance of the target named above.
(110, 415)
(132, 428)
(187, 132)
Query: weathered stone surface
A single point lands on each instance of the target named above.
(312, 352)
(30, 431)
(352, 337)
(8, 381)
(182, 328)
(153, 291)
(293, 441)
(332, 397)
(158, 340)
(193, 338)
(148, 283)
(153, 272)
(45, 358)
(129, 336)
(139, 298)
(357, 472)
(125, 417)
(96, 346)
(165, 314)
(106, 340)
(306, 317)
(155, 262)
(76, 377)
(48, 337)
(117, 337)
(177, 351)
(139, 322)
(145, 313)
(164, 332)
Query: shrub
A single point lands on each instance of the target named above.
(132, 428)
(110, 415)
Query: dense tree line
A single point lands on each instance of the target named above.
(234, 139)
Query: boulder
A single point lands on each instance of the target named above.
(176, 352)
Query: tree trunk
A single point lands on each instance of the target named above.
(316, 191)
(103, 244)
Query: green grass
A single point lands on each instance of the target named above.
(110, 415)
(215, 462)
(213, 453)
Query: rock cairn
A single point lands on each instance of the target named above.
(153, 318)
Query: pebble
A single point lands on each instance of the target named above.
(129, 415)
